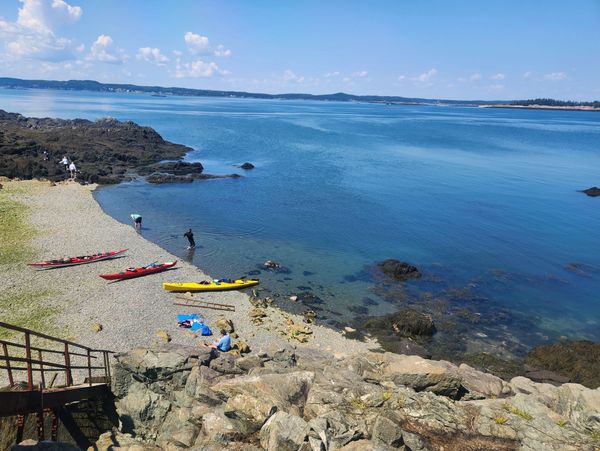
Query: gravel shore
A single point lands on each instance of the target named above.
(70, 222)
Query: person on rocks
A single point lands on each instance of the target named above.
(73, 170)
(190, 236)
(65, 161)
(224, 343)
(45, 155)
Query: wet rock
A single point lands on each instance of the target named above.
(576, 360)
(410, 322)
(283, 432)
(594, 191)
(399, 270)
(174, 168)
(247, 166)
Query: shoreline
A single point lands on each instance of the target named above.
(70, 221)
(542, 107)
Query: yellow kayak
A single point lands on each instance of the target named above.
(217, 285)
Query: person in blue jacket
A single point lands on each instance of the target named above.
(224, 343)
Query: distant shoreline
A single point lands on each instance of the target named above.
(542, 107)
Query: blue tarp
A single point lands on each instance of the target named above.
(197, 323)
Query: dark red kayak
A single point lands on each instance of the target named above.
(72, 261)
(130, 273)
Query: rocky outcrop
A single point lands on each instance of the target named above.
(594, 191)
(104, 151)
(247, 166)
(399, 270)
(289, 399)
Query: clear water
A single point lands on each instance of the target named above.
(485, 201)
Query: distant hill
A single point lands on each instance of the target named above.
(91, 85)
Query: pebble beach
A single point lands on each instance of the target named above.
(67, 221)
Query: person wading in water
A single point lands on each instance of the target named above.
(190, 236)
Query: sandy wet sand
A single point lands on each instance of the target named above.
(70, 222)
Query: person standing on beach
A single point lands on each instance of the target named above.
(190, 236)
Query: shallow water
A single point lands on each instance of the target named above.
(485, 201)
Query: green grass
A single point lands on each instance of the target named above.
(500, 419)
(516, 411)
(562, 423)
(15, 233)
(30, 309)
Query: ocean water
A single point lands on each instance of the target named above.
(483, 201)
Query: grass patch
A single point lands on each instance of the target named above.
(385, 396)
(31, 309)
(562, 423)
(500, 419)
(358, 404)
(15, 232)
(516, 411)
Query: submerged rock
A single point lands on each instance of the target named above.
(399, 270)
(577, 360)
(247, 166)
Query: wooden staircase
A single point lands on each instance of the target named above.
(32, 373)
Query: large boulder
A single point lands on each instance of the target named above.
(258, 397)
(483, 385)
(399, 270)
(439, 377)
(283, 432)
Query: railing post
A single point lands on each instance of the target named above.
(89, 359)
(8, 368)
(68, 374)
(28, 354)
(42, 370)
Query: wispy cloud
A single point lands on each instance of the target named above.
(152, 55)
(198, 69)
(498, 76)
(527, 75)
(222, 51)
(555, 76)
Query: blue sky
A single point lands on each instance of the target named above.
(437, 49)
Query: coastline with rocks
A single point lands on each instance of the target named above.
(301, 386)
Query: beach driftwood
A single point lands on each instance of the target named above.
(191, 302)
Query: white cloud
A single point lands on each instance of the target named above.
(100, 51)
(555, 76)
(196, 43)
(331, 74)
(44, 16)
(34, 34)
(527, 75)
(290, 76)
(152, 55)
(177, 53)
(346, 79)
(497, 87)
(475, 77)
(498, 76)
(402, 77)
(426, 76)
(80, 48)
(197, 69)
(360, 73)
(222, 51)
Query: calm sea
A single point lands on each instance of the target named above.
(484, 201)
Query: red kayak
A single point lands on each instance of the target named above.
(72, 261)
(130, 273)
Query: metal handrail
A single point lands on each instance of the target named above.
(41, 366)
(48, 337)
